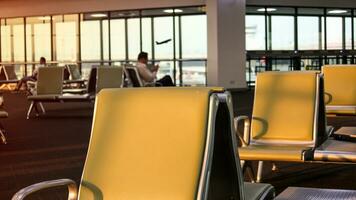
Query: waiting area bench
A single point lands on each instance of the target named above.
(185, 151)
(340, 89)
(289, 123)
(49, 87)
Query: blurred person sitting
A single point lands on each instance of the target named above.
(149, 75)
(33, 77)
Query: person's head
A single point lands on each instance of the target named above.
(142, 57)
(42, 61)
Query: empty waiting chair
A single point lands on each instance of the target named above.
(74, 75)
(288, 119)
(141, 156)
(340, 89)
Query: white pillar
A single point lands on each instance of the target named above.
(226, 43)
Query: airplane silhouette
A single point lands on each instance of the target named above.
(163, 42)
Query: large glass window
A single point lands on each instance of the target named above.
(194, 36)
(118, 44)
(163, 37)
(40, 43)
(147, 35)
(133, 36)
(65, 37)
(308, 33)
(5, 41)
(348, 33)
(334, 32)
(282, 32)
(255, 32)
(90, 39)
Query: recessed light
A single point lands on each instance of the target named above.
(337, 11)
(97, 15)
(173, 11)
(44, 18)
(266, 9)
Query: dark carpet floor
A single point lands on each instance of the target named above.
(54, 146)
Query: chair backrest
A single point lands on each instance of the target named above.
(91, 86)
(340, 84)
(133, 76)
(50, 81)
(74, 71)
(2, 73)
(108, 77)
(10, 72)
(288, 109)
(135, 155)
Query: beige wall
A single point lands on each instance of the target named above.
(19, 8)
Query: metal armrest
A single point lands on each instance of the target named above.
(72, 188)
(245, 140)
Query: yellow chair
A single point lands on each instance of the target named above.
(288, 119)
(161, 143)
(340, 89)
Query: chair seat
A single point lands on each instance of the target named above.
(75, 97)
(9, 81)
(256, 191)
(336, 151)
(75, 90)
(3, 114)
(273, 153)
(43, 97)
(74, 81)
(297, 193)
(341, 110)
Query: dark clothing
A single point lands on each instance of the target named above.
(166, 81)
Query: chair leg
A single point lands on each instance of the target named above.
(3, 138)
(30, 109)
(247, 167)
(42, 108)
(259, 171)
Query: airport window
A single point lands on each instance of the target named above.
(255, 32)
(334, 32)
(65, 29)
(194, 36)
(118, 35)
(40, 42)
(282, 33)
(133, 37)
(308, 33)
(5, 41)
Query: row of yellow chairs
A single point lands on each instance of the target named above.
(180, 143)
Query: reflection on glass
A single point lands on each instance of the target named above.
(255, 32)
(194, 36)
(165, 68)
(308, 33)
(90, 40)
(133, 36)
(282, 33)
(334, 32)
(118, 46)
(194, 73)
(163, 36)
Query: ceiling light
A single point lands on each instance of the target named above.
(173, 11)
(44, 18)
(98, 15)
(267, 9)
(337, 11)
